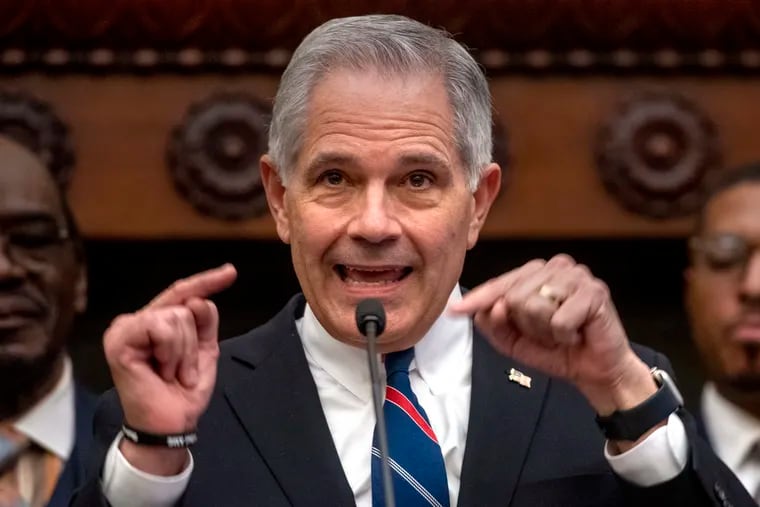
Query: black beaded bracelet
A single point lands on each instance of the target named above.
(172, 441)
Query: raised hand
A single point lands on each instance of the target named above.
(557, 317)
(163, 358)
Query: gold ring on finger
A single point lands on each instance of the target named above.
(546, 291)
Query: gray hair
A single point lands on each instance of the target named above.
(393, 44)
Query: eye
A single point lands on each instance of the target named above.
(33, 238)
(332, 178)
(419, 180)
(724, 251)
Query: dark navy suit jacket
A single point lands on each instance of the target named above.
(73, 474)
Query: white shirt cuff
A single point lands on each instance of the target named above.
(125, 486)
(657, 459)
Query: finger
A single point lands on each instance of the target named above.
(531, 308)
(502, 340)
(493, 321)
(169, 329)
(577, 311)
(200, 285)
(206, 318)
(124, 338)
(561, 285)
(187, 370)
(530, 284)
(533, 317)
(207, 326)
(486, 294)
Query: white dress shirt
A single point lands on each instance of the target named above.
(49, 424)
(440, 375)
(733, 433)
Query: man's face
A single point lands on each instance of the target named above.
(42, 284)
(377, 204)
(723, 289)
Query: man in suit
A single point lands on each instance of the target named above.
(379, 176)
(723, 303)
(45, 419)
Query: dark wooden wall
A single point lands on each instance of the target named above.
(612, 118)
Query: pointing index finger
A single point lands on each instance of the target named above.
(200, 285)
(482, 296)
(485, 295)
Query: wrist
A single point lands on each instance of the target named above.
(161, 461)
(633, 386)
(633, 424)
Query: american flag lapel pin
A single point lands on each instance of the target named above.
(519, 377)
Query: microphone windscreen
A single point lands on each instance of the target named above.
(370, 310)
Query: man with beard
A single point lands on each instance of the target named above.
(723, 303)
(45, 419)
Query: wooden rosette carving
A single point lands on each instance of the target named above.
(214, 156)
(656, 154)
(34, 123)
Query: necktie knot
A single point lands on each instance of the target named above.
(398, 361)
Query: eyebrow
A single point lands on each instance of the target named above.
(427, 159)
(330, 158)
(342, 159)
(30, 217)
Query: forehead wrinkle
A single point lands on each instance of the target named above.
(384, 123)
(356, 130)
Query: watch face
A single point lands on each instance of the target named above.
(663, 378)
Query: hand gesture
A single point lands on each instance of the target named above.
(557, 317)
(163, 358)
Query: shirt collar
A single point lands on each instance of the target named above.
(442, 356)
(732, 430)
(50, 423)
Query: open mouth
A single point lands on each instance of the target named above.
(370, 275)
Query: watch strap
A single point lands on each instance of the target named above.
(631, 424)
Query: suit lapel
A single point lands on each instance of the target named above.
(503, 418)
(272, 391)
(73, 471)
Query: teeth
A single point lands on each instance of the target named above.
(372, 276)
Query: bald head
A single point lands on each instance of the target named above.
(25, 183)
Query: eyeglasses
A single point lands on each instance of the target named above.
(33, 240)
(723, 252)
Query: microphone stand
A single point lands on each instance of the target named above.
(377, 398)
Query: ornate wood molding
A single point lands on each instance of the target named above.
(510, 35)
(657, 153)
(214, 156)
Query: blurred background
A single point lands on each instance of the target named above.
(611, 119)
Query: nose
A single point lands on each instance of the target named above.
(750, 284)
(374, 219)
(9, 270)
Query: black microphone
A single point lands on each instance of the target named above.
(370, 319)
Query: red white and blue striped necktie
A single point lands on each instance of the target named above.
(415, 459)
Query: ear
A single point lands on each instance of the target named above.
(275, 191)
(80, 290)
(488, 189)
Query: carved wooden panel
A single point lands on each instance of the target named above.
(534, 35)
(657, 152)
(214, 155)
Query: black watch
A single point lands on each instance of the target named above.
(632, 423)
